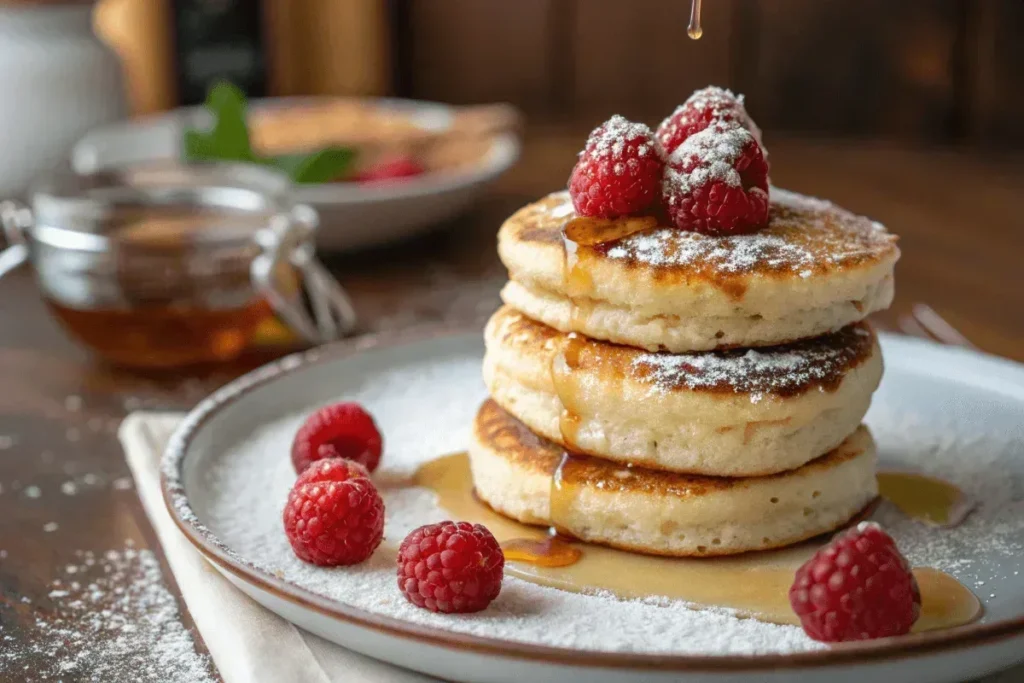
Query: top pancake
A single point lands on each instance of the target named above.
(815, 268)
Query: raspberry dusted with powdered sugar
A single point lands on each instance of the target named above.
(701, 109)
(857, 587)
(334, 515)
(716, 182)
(619, 171)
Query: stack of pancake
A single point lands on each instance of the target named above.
(674, 393)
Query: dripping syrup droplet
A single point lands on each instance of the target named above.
(694, 30)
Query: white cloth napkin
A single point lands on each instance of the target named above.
(249, 644)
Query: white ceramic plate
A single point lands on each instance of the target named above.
(351, 216)
(953, 413)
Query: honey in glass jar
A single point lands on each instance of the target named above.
(174, 265)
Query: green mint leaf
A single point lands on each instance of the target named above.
(227, 104)
(322, 166)
(197, 146)
(228, 138)
(286, 163)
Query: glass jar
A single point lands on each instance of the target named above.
(171, 265)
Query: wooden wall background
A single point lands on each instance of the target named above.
(947, 71)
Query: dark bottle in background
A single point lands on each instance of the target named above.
(218, 39)
(173, 49)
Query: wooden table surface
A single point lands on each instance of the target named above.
(962, 239)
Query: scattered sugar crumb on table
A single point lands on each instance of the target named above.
(113, 621)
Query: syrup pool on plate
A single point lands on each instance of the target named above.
(925, 499)
(754, 584)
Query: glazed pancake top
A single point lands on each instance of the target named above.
(804, 236)
(812, 256)
(782, 371)
(502, 433)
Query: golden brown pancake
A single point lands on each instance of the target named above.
(659, 512)
(814, 269)
(722, 413)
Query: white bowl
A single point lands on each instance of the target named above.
(351, 216)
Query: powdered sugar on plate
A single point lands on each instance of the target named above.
(250, 483)
(425, 408)
(987, 463)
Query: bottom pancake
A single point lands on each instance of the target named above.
(526, 477)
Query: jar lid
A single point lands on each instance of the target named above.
(229, 202)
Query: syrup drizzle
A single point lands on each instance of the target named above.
(584, 240)
(588, 232)
(754, 584)
(564, 379)
(925, 499)
(563, 495)
(694, 30)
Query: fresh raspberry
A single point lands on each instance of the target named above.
(618, 172)
(716, 182)
(451, 567)
(701, 109)
(327, 470)
(334, 515)
(340, 430)
(390, 169)
(857, 587)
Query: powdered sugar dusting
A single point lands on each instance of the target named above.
(248, 484)
(609, 139)
(781, 370)
(707, 156)
(701, 108)
(718, 101)
(804, 235)
(111, 619)
(739, 254)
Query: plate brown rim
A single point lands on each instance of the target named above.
(176, 501)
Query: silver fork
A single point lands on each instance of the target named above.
(924, 322)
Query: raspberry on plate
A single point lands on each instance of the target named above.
(331, 469)
(450, 567)
(334, 515)
(701, 109)
(716, 182)
(340, 430)
(394, 168)
(857, 587)
(618, 172)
